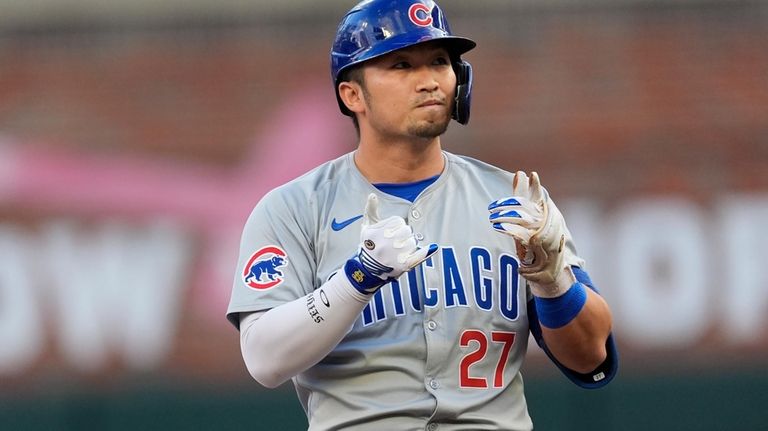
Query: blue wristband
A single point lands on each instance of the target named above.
(557, 312)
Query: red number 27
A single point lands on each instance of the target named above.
(507, 339)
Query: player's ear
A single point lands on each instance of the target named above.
(351, 93)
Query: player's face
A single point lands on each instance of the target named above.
(410, 92)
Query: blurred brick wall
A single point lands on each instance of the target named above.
(652, 98)
(196, 94)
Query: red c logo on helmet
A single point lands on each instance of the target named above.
(415, 16)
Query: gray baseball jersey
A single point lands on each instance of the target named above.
(442, 345)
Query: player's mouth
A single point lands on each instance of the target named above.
(430, 102)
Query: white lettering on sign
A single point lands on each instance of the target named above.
(742, 296)
(21, 331)
(662, 267)
(672, 270)
(113, 289)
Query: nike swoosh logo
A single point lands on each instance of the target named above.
(337, 226)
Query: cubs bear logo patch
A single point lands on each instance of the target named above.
(262, 271)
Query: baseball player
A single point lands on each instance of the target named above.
(396, 285)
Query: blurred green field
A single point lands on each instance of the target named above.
(689, 402)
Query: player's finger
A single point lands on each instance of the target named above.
(499, 204)
(371, 213)
(524, 253)
(420, 255)
(520, 184)
(535, 186)
(519, 216)
(514, 203)
(520, 233)
(398, 229)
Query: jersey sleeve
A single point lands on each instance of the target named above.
(603, 374)
(275, 264)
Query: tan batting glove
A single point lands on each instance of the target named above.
(540, 234)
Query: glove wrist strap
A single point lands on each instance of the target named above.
(360, 278)
(563, 281)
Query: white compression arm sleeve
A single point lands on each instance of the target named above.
(286, 340)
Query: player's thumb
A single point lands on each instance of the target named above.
(371, 214)
(420, 255)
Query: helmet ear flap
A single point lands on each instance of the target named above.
(463, 99)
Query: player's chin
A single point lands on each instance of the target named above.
(429, 129)
(430, 126)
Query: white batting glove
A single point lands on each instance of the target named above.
(540, 234)
(388, 248)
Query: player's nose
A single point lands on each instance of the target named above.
(426, 80)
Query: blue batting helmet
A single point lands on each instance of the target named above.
(377, 27)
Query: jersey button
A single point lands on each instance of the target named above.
(415, 214)
(431, 325)
(434, 384)
(419, 236)
(432, 426)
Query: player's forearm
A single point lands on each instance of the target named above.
(580, 344)
(292, 337)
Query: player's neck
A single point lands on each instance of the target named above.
(399, 163)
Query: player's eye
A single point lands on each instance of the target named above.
(401, 65)
(440, 61)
